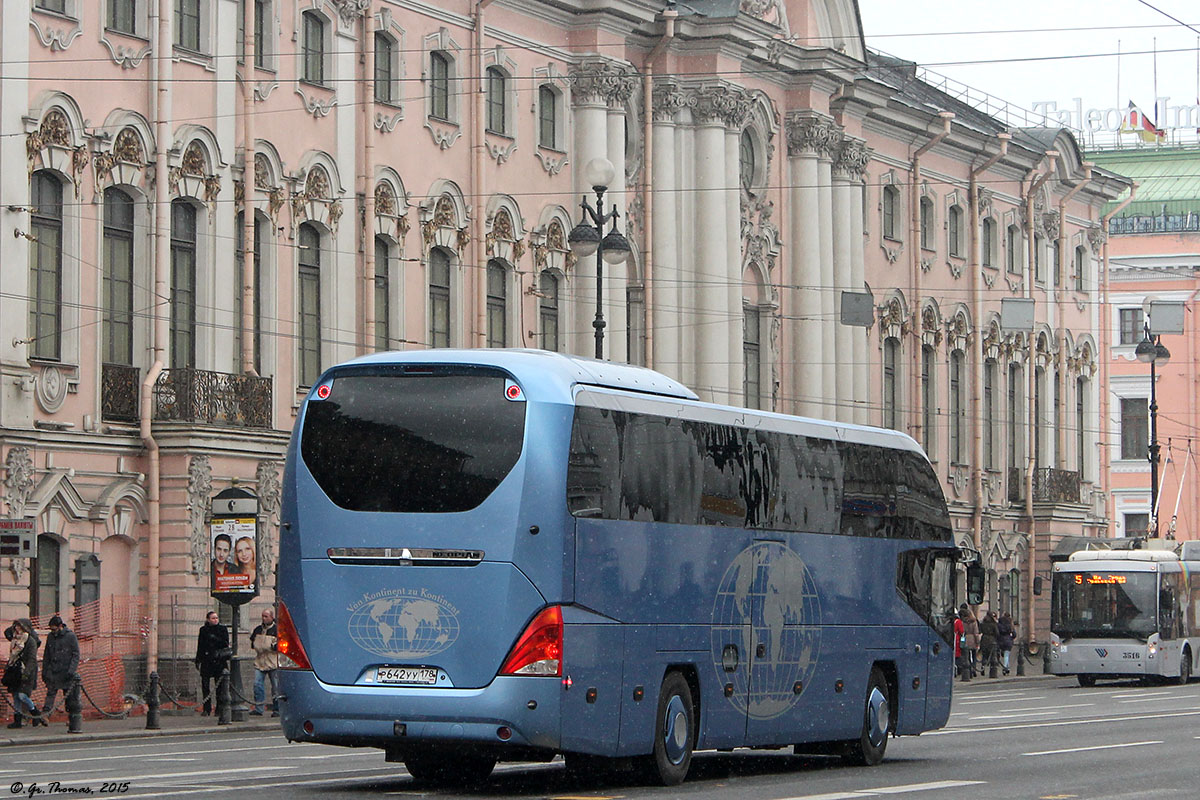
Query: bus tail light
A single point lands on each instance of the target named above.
(287, 641)
(539, 650)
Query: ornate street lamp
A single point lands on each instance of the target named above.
(1152, 351)
(588, 237)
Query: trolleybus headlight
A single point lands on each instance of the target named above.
(287, 641)
(539, 650)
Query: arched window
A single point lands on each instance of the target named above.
(383, 308)
(752, 356)
(385, 68)
(891, 209)
(118, 277)
(48, 599)
(1080, 264)
(309, 279)
(183, 284)
(548, 310)
(928, 398)
(891, 383)
(313, 48)
(439, 298)
(1012, 253)
(497, 91)
(988, 243)
(497, 304)
(958, 411)
(439, 85)
(746, 160)
(926, 224)
(547, 117)
(991, 376)
(45, 266)
(954, 231)
(260, 230)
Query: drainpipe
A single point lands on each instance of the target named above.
(1105, 357)
(915, 262)
(161, 80)
(1060, 291)
(1031, 370)
(478, 150)
(980, 498)
(366, 177)
(249, 245)
(669, 15)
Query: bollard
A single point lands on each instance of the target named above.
(1020, 659)
(239, 712)
(223, 698)
(74, 707)
(152, 703)
(993, 658)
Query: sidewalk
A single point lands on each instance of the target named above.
(1033, 674)
(133, 727)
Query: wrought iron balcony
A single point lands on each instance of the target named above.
(1050, 485)
(213, 398)
(120, 386)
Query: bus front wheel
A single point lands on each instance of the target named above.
(674, 733)
(448, 769)
(877, 724)
(1086, 680)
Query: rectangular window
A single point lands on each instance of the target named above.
(239, 290)
(384, 79)
(889, 211)
(1080, 430)
(122, 16)
(261, 15)
(1039, 246)
(1135, 428)
(891, 386)
(183, 285)
(118, 277)
(1056, 264)
(548, 310)
(439, 298)
(310, 304)
(59, 6)
(752, 381)
(1080, 263)
(45, 267)
(1013, 256)
(1015, 396)
(989, 414)
(547, 117)
(497, 305)
(928, 399)
(1132, 329)
(439, 86)
(187, 24)
(988, 244)
(957, 410)
(314, 49)
(496, 89)
(383, 337)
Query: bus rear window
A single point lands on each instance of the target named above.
(438, 442)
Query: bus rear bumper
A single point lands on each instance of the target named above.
(517, 713)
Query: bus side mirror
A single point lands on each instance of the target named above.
(975, 580)
(1037, 584)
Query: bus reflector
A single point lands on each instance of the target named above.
(287, 641)
(539, 650)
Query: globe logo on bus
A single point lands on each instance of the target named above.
(767, 608)
(403, 625)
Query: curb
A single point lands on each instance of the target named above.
(100, 736)
(990, 684)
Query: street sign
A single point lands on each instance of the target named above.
(858, 309)
(1166, 317)
(1016, 314)
(18, 538)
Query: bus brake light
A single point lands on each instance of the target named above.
(287, 641)
(539, 650)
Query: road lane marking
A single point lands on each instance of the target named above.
(885, 790)
(948, 731)
(999, 700)
(1143, 694)
(1085, 749)
(125, 745)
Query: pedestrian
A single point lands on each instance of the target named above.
(970, 637)
(1007, 634)
(266, 663)
(60, 661)
(959, 645)
(212, 650)
(20, 676)
(988, 635)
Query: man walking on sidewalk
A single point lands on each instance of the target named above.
(60, 661)
(266, 662)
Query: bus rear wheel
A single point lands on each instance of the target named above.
(439, 768)
(1086, 680)
(674, 733)
(877, 724)
(1185, 667)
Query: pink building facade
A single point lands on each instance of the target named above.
(416, 170)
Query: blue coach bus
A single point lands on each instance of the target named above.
(511, 554)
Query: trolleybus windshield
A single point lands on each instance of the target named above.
(1104, 604)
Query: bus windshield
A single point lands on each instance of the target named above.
(1104, 604)
(437, 441)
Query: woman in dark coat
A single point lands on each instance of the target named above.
(23, 651)
(212, 650)
(1007, 634)
(989, 631)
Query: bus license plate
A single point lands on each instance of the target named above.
(420, 676)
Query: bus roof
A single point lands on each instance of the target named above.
(569, 371)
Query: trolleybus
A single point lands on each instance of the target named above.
(510, 554)
(1125, 614)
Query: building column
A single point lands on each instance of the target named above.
(737, 106)
(668, 301)
(828, 279)
(711, 250)
(853, 159)
(843, 258)
(616, 279)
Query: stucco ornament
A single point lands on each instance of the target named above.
(199, 494)
(810, 132)
(18, 486)
(350, 10)
(270, 495)
(600, 80)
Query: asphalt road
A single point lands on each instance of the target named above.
(1051, 740)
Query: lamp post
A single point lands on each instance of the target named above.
(1152, 351)
(588, 237)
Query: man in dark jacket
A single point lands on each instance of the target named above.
(60, 661)
(23, 651)
(212, 650)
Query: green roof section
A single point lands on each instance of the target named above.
(1168, 178)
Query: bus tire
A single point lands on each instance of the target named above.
(868, 750)
(674, 733)
(1086, 680)
(1185, 667)
(444, 768)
